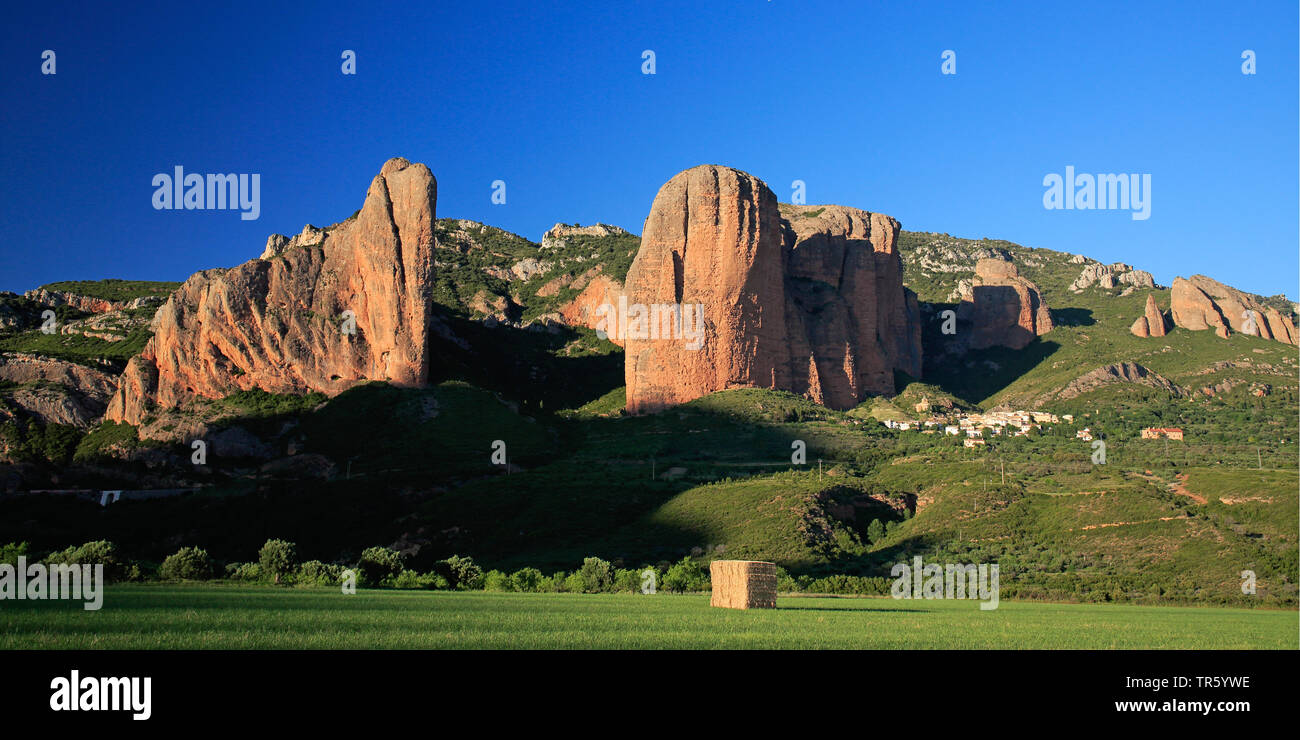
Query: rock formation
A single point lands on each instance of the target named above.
(1110, 276)
(556, 236)
(1124, 372)
(1201, 303)
(800, 298)
(57, 391)
(1151, 323)
(585, 308)
(89, 304)
(323, 316)
(1003, 309)
(278, 244)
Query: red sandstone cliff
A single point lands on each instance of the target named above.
(811, 302)
(278, 324)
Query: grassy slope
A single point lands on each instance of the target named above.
(114, 289)
(199, 617)
(1091, 331)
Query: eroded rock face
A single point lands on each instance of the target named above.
(1151, 323)
(555, 237)
(280, 324)
(1003, 308)
(807, 299)
(585, 308)
(1193, 309)
(56, 391)
(1201, 303)
(1110, 276)
(1124, 372)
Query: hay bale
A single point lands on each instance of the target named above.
(743, 584)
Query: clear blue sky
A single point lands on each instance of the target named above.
(847, 97)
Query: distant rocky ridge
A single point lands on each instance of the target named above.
(807, 299)
(90, 304)
(277, 324)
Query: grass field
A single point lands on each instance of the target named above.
(215, 617)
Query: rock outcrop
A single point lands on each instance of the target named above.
(1002, 308)
(585, 309)
(1124, 372)
(278, 244)
(1151, 323)
(89, 304)
(556, 236)
(1111, 276)
(355, 306)
(807, 299)
(1200, 303)
(57, 391)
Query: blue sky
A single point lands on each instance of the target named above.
(847, 97)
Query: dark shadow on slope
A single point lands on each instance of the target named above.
(979, 374)
(544, 369)
(1072, 317)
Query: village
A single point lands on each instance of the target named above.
(976, 427)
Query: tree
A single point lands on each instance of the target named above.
(277, 558)
(875, 531)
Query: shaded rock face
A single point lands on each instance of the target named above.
(56, 391)
(800, 298)
(1200, 303)
(1151, 323)
(280, 324)
(1003, 308)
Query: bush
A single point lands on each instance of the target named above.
(527, 580)
(9, 553)
(316, 573)
(875, 531)
(628, 581)
(685, 576)
(552, 584)
(277, 558)
(413, 579)
(784, 583)
(378, 563)
(187, 563)
(596, 575)
(99, 552)
(244, 571)
(573, 583)
(495, 580)
(461, 573)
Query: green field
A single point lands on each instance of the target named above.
(176, 617)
